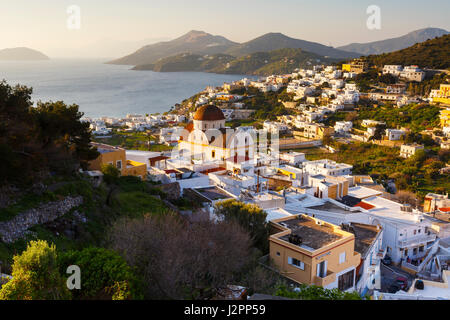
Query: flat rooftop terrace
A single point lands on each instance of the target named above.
(213, 193)
(313, 236)
(331, 207)
(365, 235)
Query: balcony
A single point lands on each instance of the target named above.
(418, 240)
(324, 281)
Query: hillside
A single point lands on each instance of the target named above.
(394, 44)
(21, 54)
(273, 62)
(188, 62)
(202, 43)
(195, 42)
(275, 41)
(434, 54)
(260, 63)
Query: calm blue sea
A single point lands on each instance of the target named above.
(107, 90)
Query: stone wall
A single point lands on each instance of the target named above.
(17, 227)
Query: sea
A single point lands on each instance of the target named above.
(107, 90)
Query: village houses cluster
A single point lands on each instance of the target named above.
(332, 228)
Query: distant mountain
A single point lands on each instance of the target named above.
(195, 42)
(394, 44)
(202, 43)
(187, 62)
(434, 54)
(22, 54)
(260, 63)
(275, 41)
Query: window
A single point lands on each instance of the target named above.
(322, 269)
(119, 164)
(213, 154)
(342, 257)
(278, 253)
(415, 231)
(296, 263)
(414, 251)
(421, 248)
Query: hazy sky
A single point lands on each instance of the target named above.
(111, 28)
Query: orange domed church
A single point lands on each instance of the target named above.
(207, 140)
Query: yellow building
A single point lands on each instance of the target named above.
(314, 252)
(116, 157)
(317, 131)
(356, 66)
(443, 95)
(227, 87)
(445, 117)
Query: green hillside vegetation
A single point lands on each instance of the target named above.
(261, 63)
(274, 62)
(434, 54)
(418, 174)
(416, 117)
(188, 62)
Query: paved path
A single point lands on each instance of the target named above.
(388, 275)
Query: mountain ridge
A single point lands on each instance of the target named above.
(196, 42)
(394, 44)
(259, 63)
(200, 42)
(433, 54)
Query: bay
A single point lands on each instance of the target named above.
(107, 90)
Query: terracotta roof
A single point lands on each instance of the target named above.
(365, 205)
(190, 126)
(444, 209)
(209, 113)
(213, 170)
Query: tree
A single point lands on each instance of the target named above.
(380, 130)
(36, 275)
(327, 140)
(60, 126)
(248, 216)
(407, 197)
(104, 274)
(182, 260)
(305, 292)
(37, 140)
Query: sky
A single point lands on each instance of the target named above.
(112, 28)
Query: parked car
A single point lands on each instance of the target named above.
(393, 288)
(402, 283)
(387, 260)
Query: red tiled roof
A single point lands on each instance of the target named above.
(213, 170)
(365, 205)
(444, 209)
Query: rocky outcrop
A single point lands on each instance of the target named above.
(17, 227)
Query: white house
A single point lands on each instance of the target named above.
(394, 134)
(343, 127)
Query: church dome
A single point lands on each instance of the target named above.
(209, 113)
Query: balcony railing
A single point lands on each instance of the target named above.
(324, 281)
(417, 240)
